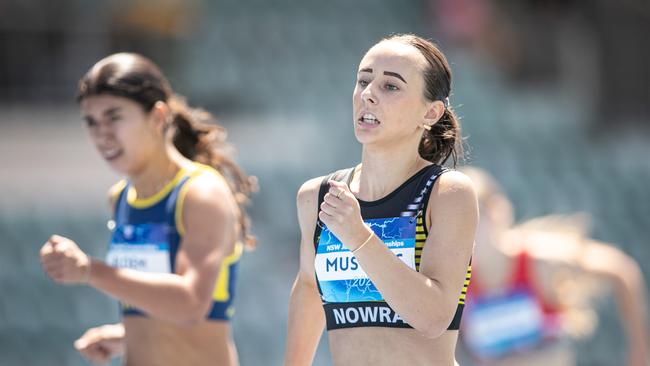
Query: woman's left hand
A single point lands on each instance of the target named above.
(341, 213)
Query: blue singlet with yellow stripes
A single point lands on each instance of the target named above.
(147, 234)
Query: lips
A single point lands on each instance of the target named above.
(111, 154)
(369, 119)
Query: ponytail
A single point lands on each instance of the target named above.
(443, 140)
(197, 137)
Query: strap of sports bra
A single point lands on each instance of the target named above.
(120, 202)
(173, 198)
(421, 202)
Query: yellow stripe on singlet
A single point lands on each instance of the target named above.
(420, 238)
(115, 190)
(134, 201)
(419, 245)
(221, 289)
(221, 292)
(468, 277)
(193, 171)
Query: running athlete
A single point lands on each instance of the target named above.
(178, 226)
(532, 285)
(386, 245)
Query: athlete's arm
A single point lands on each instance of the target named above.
(608, 263)
(560, 255)
(306, 316)
(209, 217)
(427, 299)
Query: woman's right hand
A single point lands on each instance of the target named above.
(64, 262)
(102, 343)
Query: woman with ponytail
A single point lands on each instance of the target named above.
(179, 225)
(390, 240)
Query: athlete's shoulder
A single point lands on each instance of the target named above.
(455, 184)
(115, 191)
(206, 201)
(454, 191)
(206, 183)
(308, 192)
(195, 169)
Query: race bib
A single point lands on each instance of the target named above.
(143, 247)
(501, 325)
(340, 276)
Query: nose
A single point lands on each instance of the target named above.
(101, 131)
(105, 128)
(367, 95)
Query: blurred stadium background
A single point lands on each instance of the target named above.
(554, 97)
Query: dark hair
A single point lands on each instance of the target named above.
(195, 132)
(444, 139)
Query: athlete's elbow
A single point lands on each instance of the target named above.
(434, 325)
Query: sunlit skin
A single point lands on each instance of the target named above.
(390, 86)
(134, 143)
(131, 140)
(389, 92)
(399, 105)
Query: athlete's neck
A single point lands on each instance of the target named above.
(156, 173)
(383, 170)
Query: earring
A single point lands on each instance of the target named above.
(426, 127)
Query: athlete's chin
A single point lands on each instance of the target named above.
(119, 166)
(364, 136)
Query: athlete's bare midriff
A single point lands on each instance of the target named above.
(151, 342)
(390, 346)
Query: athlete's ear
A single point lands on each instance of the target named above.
(434, 112)
(161, 115)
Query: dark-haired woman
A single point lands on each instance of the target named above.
(390, 240)
(178, 227)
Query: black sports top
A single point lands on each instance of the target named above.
(349, 297)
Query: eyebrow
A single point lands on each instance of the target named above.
(108, 112)
(388, 73)
(112, 110)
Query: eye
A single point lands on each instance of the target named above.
(90, 122)
(391, 87)
(363, 83)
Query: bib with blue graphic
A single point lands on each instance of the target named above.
(340, 277)
(505, 324)
(143, 247)
(349, 297)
